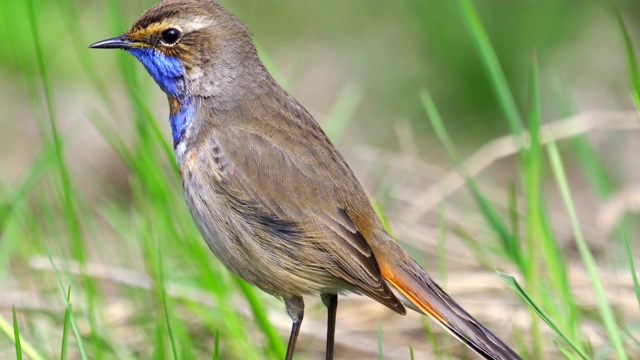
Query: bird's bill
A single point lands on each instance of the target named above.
(120, 42)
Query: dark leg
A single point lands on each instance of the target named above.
(295, 309)
(331, 302)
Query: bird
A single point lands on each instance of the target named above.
(271, 195)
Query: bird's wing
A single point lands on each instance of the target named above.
(291, 171)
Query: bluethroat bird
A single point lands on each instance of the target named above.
(273, 198)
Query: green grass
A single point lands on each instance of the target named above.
(541, 247)
(178, 302)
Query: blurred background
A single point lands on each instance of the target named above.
(87, 175)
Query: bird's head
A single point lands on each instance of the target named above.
(193, 49)
(189, 47)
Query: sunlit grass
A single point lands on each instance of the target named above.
(541, 249)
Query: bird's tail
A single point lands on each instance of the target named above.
(426, 295)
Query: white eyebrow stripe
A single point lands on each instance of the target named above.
(196, 24)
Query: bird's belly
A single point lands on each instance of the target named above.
(277, 263)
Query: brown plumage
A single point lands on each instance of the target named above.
(272, 197)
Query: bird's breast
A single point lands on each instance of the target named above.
(182, 112)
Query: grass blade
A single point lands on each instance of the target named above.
(276, 346)
(492, 66)
(69, 199)
(535, 229)
(508, 241)
(511, 281)
(16, 334)
(380, 349)
(632, 61)
(10, 332)
(383, 217)
(65, 328)
(565, 351)
(342, 112)
(68, 308)
(605, 309)
(632, 268)
(165, 307)
(65, 178)
(216, 346)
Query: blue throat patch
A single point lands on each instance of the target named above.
(169, 74)
(181, 119)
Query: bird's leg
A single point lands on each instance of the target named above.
(295, 309)
(331, 302)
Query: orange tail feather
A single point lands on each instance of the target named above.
(425, 294)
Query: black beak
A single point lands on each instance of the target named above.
(120, 42)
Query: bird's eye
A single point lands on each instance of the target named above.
(170, 36)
